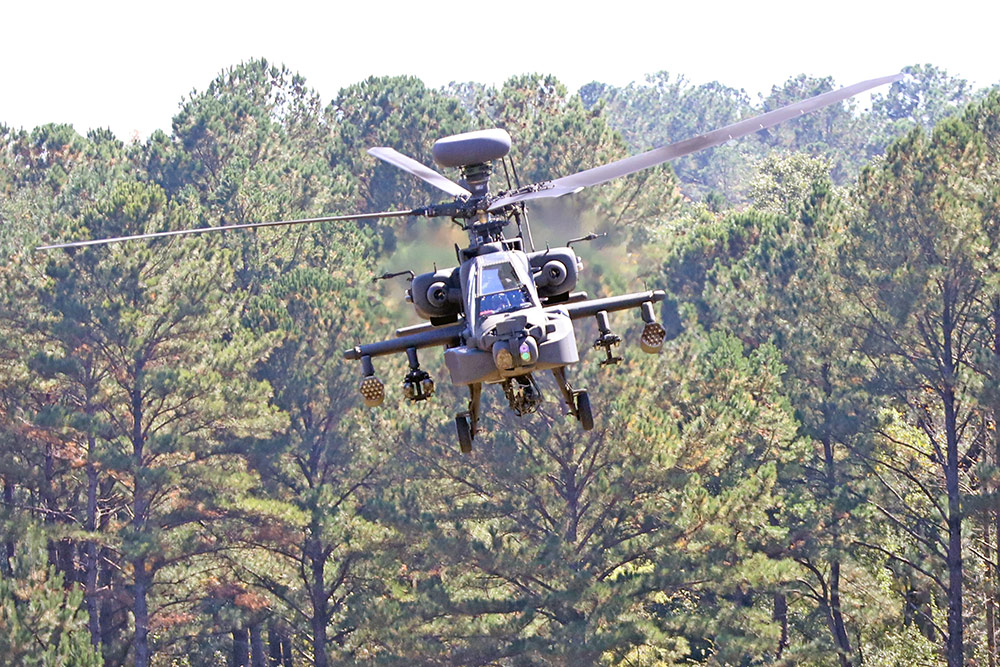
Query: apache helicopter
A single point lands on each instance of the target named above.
(507, 310)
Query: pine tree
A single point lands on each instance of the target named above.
(171, 379)
(559, 548)
(919, 258)
(41, 618)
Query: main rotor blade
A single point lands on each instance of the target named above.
(629, 165)
(250, 225)
(408, 164)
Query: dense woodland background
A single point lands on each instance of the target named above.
(808, 474)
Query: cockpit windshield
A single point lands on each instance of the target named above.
(500, 290)
(498, 278)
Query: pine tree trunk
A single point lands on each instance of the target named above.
(257, 656)
(113, 612)
(90, 593)
(140, 604)
(839, 629)
(90, 564)
(988, 598)
(140, 612)
(241, 648)
(314, 552)
(955, 651)
(48, 502)
(8, 499)
(274, 641)
(90, 549)
(66, 562)
(781, 616)
(837, 626)
(993, 588)
(111, 609)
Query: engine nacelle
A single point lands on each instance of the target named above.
(555, 271)
(437, 296)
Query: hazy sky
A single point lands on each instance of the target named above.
(128, 65)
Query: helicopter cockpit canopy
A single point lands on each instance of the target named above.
(501, 285)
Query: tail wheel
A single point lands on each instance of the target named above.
(583, 411)
(464, 433)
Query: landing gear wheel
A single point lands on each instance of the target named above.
(583, 412)
(464, 433)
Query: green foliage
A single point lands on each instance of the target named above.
(188, 476)
(924, 98)
(254, 146)
(41, 620)
(561, 548)
(668, 108)
(783, 182)
(901, 647)
(400, 112)
(921, 261)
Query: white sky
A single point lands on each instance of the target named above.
(127, 65)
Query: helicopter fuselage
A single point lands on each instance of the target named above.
(502, 315)
(508, 333)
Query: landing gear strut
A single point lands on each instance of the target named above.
(467, 423)
(577, 401)
(464, 432)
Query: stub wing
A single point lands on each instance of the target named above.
(592, 307)
(451, 335)
(424, 337)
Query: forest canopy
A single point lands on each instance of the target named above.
(809, 472)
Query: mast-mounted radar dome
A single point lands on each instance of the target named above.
(479, 147)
